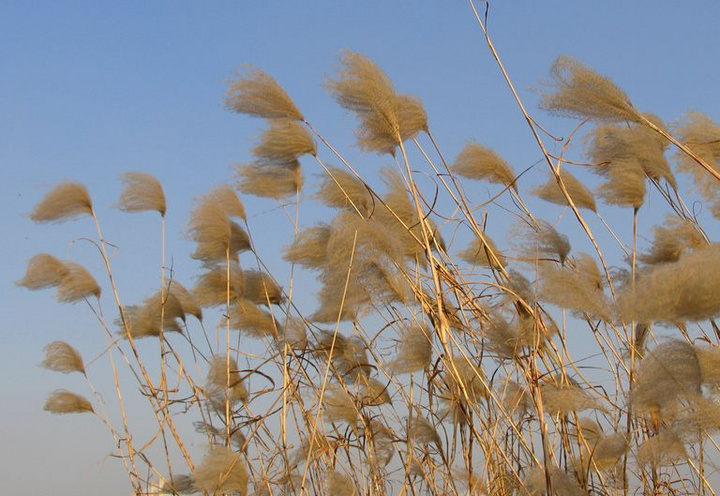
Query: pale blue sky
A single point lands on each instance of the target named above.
(91, 89)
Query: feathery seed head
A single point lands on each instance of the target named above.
(261, 288)
(581, 196)
(340, 189)
(688, 289)
(65, 201)
(480, 163)
(61, 402)
(339, 484)
(579, 288)
(666, 374)
(671, 240)
(578, 91)
(309, 248)
(142, 192)
(224, 382)
(483, 252)
(701, 134)
(664, 448)
(625, 185)
(270, 181)
(609, 144)
(157, 313)
(247, 317)
(78, 284)
(43, 271)
(212, 287)
(414, 351)
(61, 357)
(222, 471)
(257, 94)
(284, 142)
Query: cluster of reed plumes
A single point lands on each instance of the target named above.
(437, 359)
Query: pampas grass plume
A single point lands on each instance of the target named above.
(578, 91)
(688, 289)
(414, 351)
(671, 240)
(77, 284)
(483, 252)
(43, 271)
(268, 181)
(338, 484)
(65, 201)
(222, 471)
(212, 287)
(61, 357)
(284, 142)
(257, 94)
(480, 163)
(581, 196)
(340, 189)
(247, 317)
(142, 192)
(62, 402)
(669, 372)
(261, 288)
(309, 248)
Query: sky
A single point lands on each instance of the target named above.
(92, 89)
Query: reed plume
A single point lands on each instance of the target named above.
(581, 196)
(579, 288)
(625, 185)
(61, 357)
(64, 202)
(339, 406)
(43, 271)
(702, 135)
(78, 284)
(362, 87)
(414, 350)
(179, 484)
(339, 484)
(664, 448)
(608, 144)
(687, 289)
(247, 317)
(422, 431)
(309, 248)
(187, 300)
(483, 164)
(222, 471)
(671, 240)
(62, 402)
(579, 92)
(257, 94)
(284, 142)
(270, 181)
(261, 288)
(157, 313)
(213, 288)
(544, 242)
(483, 252)
(340, 189)
(216, 235)
(667, 374)
(224, 383)
(563, 484)
(142, 192)
(565, 398)
(372, 392)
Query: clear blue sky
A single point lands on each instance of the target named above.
(91, 89)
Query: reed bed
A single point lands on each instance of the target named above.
(445, 354)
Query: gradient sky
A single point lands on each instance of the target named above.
(91, 89)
